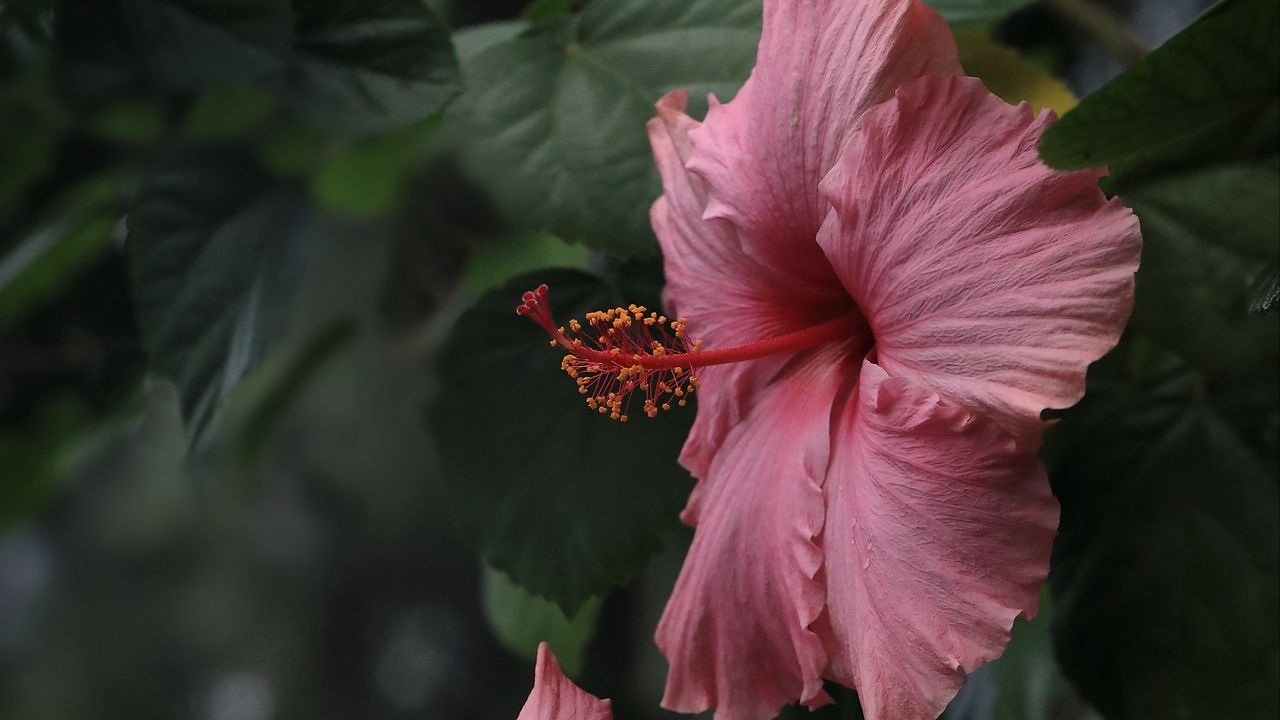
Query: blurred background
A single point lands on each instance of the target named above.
(247, 404)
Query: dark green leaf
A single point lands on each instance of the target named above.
(564, 501)
(281, 381)
(969, 12)
(28, 141)
(1265, 292)
(558, 116)
(371, 64)
(366, 177)
(224, 112)
(214, 252)
(52, 254)
(1206, 235)
(1166, 573)
(1217, 76)
(361, 66)
(521, 621)
(175, 45)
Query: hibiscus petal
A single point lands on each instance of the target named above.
(736, 629)
(555, 697)
(982, 271)
(821, 64)
(938, 531)
(728, 297)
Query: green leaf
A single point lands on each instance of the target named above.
(1009, 75)
(366, 177)
(1264, 295)
(224, 112)
(28, 139)
(1217, 77)
(353, 66)
(475, 39)
(521, 621)
(371, 65)
(34, 457)
(1166, 572)
(971, 12)
(547, 9)
(131, 121)
(556, 118)
(214, 253)
(174, 45)
(276, 386)
(494, 263)
(56, 251)
(1207, 234)
(564, 501)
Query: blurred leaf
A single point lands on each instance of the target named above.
(214, 251)
(494, 263)
(292, 149)
(557, 116)
(175, 45)
(1166, 572)
(133, 121)
(28, 141)
(539, 10)
(32, 459)
(521, 621)
(279, 382)
(1218, 75)
(367, 177)
(352, 66)
(1009, 75)
(567, 503)
(373, 64)
(1265, 292)
(53, 254)
(224, 112)
(1206, 235)
(969, 12)
(471, 41)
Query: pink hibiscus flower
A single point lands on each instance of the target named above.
(891, 288)
(555, 697)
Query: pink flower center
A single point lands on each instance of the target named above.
(621, 351)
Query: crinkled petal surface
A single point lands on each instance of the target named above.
(983, 272)
(730, 297)
(555, 697)
(937, 535)
(741, 204)
(736, 630)
(821, 64)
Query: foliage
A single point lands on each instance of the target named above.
(558, 509)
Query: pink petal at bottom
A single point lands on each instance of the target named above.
(555, 697)
(938, 531)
